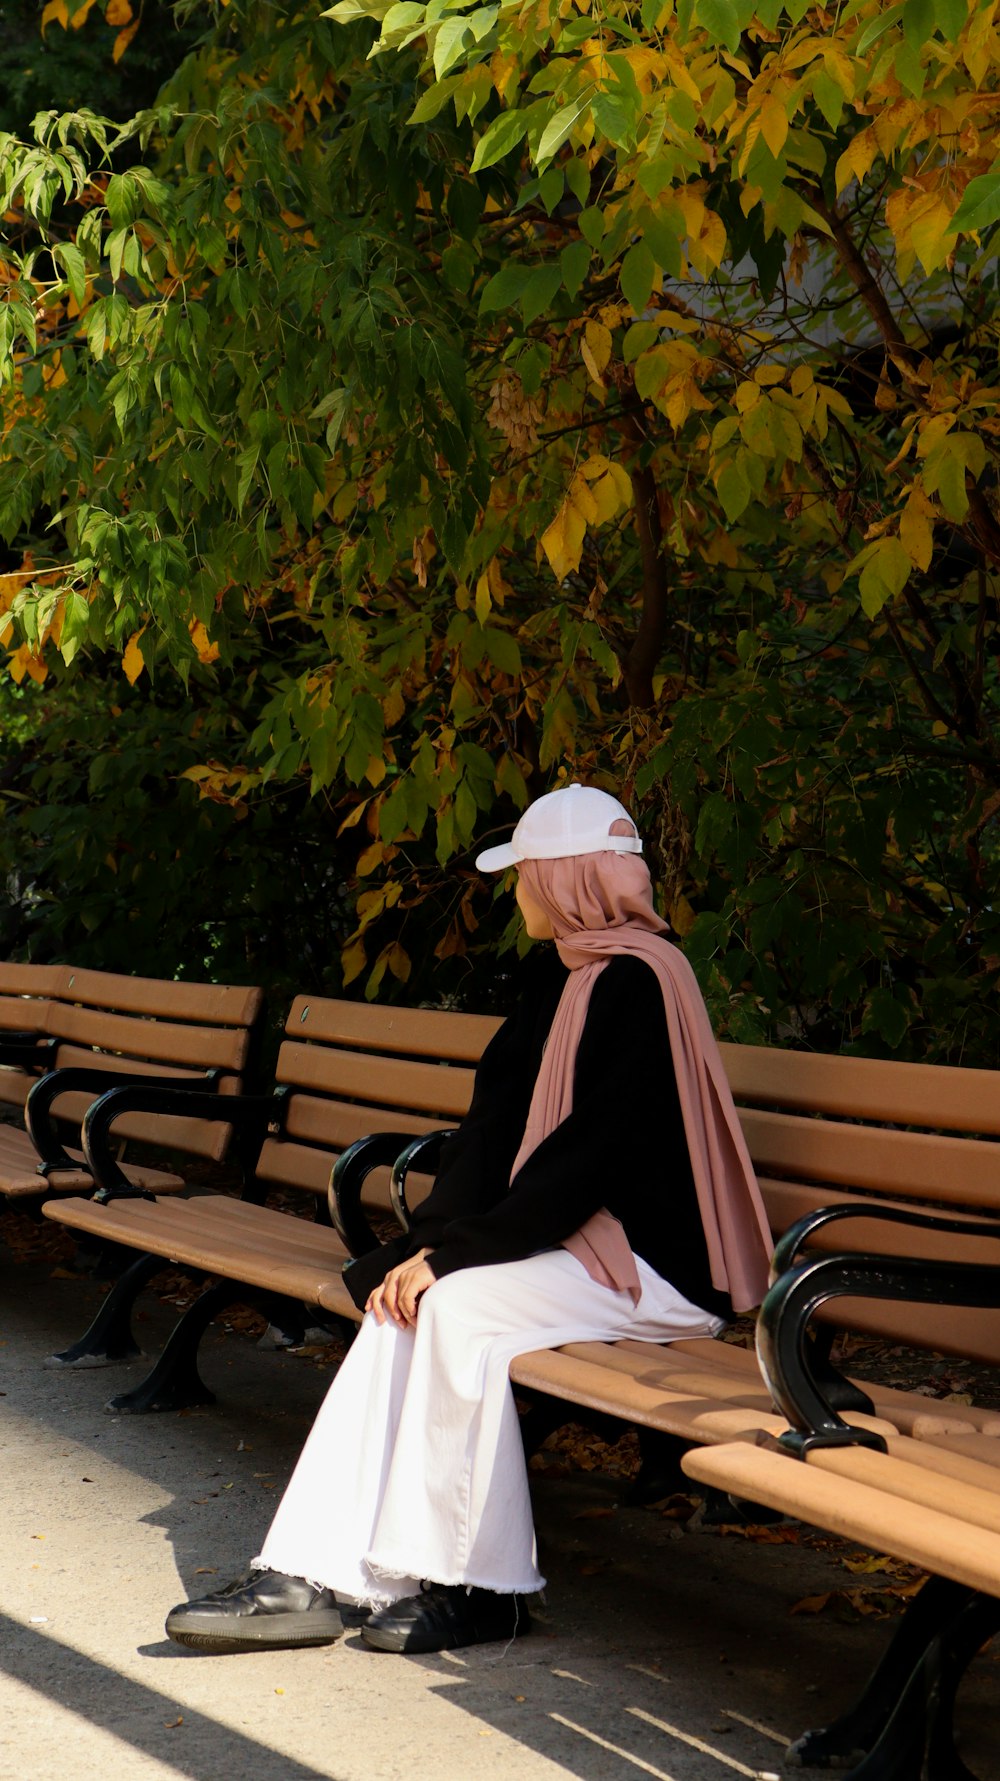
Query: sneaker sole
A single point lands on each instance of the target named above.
(406, 1645)
(204, 1633)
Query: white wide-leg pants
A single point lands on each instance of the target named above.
(414, 1468)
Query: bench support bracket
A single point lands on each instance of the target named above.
(110, 1336)
(902, 1724)
(174, 1383)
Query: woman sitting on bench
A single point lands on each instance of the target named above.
(598, 1188)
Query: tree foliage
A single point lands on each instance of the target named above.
(466, 396)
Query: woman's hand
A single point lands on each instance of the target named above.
(400, 1292)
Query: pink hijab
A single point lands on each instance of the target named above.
(601, 905)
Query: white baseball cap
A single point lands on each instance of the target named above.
(574, 819)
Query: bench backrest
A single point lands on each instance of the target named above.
(824, 1128)
(355, 1068)
(128, 1025)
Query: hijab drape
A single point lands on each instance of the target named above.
(601, 907)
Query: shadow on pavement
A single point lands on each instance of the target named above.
(104, 1698)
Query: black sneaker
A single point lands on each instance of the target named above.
(445, 1616)
(265, 1608)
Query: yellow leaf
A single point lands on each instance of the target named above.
(916, 528)
(23, 661)
(931, 234)
(484, 599)
(375, 770)
(595, 466)
(123, 40)
(55, 9)
(399, 963)
(372, 857)
(393, 707)
(682, 916)
(562, 542)
(207, 651)
(582, 499)
(118, 12)
(623, 483)
(353, 816)
(774, 124)
(353, 960)
(596, 347)
(132, 662)
(605, 499)
(856, 160)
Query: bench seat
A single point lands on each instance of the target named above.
(215, 1234)
(886, 1501)
(19, 1178)
(80, 1031)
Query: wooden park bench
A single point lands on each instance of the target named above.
(67, 1035)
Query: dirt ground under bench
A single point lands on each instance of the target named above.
(662, 1647)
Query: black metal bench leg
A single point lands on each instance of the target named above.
(174, 1382)
(110, 1337)
(905, 1711)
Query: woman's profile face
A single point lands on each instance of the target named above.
(536, 922)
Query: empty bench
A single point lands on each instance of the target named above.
(66, 1035)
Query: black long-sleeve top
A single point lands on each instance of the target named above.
(623, 1145)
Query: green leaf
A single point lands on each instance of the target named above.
(884, 575)
(637, 275)
(733, 486)
(720, 19)
(980, 206)
(885, 1016)
(910, 71)
(541, 285)
(504, 288)
(952, 17)
(68, 255)
(504, 133)
(918, 23)
(503, 650)
(574, 262)
(877, 28)
(558, 129)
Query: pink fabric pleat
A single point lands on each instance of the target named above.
(601, 906)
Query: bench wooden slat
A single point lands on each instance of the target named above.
(31, 980)
(815, 1492)
(209, 1004)
(930, 1095)
(408, 1032)
(381, 1082)
(164, 1041)
(255, 1244)
(786, 1201)
(19, 1178)
(911, 1165)
(337, 1124)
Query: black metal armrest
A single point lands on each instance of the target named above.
(26, 1049)
(423, 1154)
(252, 1115)
(790, 1304)
(88, 1079)
(788, 1248)
(350, 1172)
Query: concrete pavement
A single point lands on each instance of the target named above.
(657, 1653)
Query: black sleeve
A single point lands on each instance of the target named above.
(476, 1162)
(599, 1155)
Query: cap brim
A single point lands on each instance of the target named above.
(496, 859)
